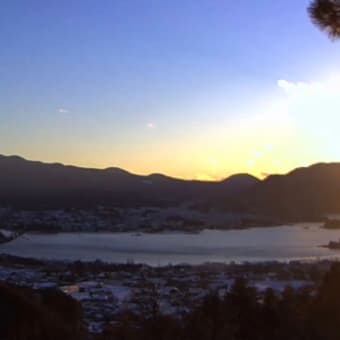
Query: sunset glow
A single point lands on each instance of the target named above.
(183, 99)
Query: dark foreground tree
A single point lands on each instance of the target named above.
(326, 15)
(27, 314)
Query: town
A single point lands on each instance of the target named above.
(115, 219)
(105, 290)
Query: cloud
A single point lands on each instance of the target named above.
(313, 106)
(150, 125)
(313, 101)
(63, 110)
(296, 88)
(328, 87)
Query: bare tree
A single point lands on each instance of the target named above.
(326, 15)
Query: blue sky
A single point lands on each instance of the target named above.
(167, 86)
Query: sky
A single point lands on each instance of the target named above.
(191, 88)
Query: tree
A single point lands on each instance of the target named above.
(326, 15)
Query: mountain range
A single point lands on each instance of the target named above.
(36, 184)
(308, 192)
(303, 193)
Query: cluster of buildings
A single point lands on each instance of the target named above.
(147, 219)
(105, 291)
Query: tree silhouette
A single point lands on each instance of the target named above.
(326, 15)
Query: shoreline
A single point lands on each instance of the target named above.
(169, 231)
(10, 260)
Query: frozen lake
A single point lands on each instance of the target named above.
(259, 244)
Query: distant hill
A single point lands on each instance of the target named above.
(32, 184)
(303, 193)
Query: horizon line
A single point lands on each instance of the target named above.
(157, 173)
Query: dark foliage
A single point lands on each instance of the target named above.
(244, 314)
(26, 314)
(326, 15)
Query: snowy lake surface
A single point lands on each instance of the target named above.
(284, 243)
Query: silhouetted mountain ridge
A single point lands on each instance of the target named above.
(37, 184)
(308, 192)
(305, 192)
